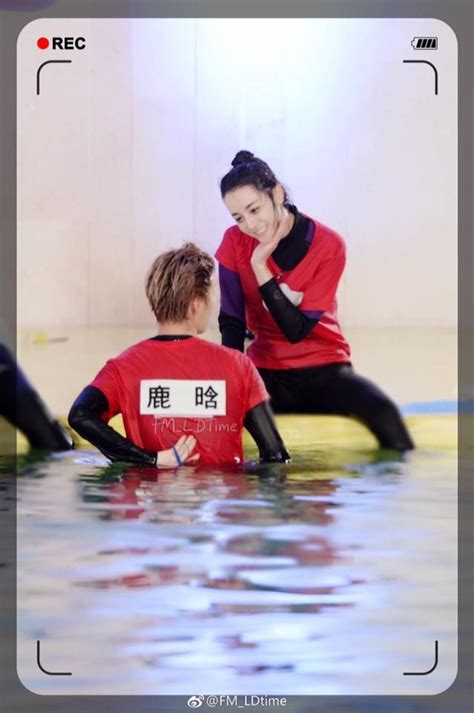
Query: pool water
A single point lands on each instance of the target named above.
(335, 574)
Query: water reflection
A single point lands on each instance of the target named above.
(265, 559)
(276, 579)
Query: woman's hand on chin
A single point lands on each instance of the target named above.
(262, 252)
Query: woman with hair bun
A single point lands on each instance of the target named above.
(278, 272)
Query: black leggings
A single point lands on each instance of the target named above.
(22, 406)
(337, 389)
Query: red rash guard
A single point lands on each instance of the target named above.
(213, 410)
(317, 276)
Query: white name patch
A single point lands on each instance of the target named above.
(182, 397)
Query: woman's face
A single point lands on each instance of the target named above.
(254, 211)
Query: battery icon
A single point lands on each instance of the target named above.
(424, 43)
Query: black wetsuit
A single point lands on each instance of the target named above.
(328, 389)
(22, 406)
(86, 418)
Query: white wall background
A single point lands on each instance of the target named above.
(121, 154)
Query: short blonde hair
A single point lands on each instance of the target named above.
(175, 279)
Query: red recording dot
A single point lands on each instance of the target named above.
(43, 43)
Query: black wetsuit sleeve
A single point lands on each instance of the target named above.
(261, 425)
(232, 321)
(232, 331)
(85, 418)
(294, 323)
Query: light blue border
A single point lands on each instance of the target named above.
(438, 407)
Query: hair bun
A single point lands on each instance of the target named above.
(242, 157)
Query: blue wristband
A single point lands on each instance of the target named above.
(180, 462)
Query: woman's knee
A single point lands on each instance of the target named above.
(385, 420)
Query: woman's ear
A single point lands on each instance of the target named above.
(278, 194)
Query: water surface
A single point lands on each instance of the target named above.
(333, 575)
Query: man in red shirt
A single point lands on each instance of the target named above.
(178, 393)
